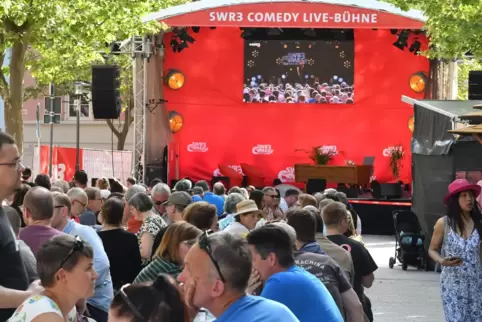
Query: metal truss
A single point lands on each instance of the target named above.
(141, 52)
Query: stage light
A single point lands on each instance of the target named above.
(402, 40)
(411, 123)
(174, 44)
(246, 33)
(176, 121)
(212, 28)
(394, 31)
(415, 47)
(174, 79)
(195, 29)
(184, 36)
(417, 82)
(274, 32)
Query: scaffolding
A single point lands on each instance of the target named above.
(141, 51)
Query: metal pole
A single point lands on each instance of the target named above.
(52, 114)
(77, 140)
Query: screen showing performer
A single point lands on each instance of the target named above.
(298, 72)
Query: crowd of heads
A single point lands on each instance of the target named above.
(316, 93)
(211, 238)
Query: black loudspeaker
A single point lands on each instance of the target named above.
(475, 85)
(106, 102)
(154, 171)
(387, 191)
(315, 185)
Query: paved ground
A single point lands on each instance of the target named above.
(401, 296)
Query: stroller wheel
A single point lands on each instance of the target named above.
(391, 262)
(404, 266)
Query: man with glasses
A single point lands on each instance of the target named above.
(79, 201)
(215, 277)
(13, 277)
(98, 305)
(159, 194)
(88, 216)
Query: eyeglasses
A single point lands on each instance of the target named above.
(78, 247)
(272, 196)
(16, 164)
(205, 245)
(131, 305)
(81, 203)
(158, 203)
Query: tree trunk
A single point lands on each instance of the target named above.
(121, 140)
(14, 103)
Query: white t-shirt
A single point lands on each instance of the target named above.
(37, 305)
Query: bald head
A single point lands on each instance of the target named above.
(38, 203)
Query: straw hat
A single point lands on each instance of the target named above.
(246, 206)
(461, 185)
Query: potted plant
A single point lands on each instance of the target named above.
(396, 157)
(322, 155)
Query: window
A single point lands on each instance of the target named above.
(85, 108)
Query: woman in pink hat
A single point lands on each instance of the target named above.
(459, 234)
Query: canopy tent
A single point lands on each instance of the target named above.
(438, 156)
(290, 14)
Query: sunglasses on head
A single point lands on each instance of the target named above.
(205, 245)
(77, 247)
(131, 305)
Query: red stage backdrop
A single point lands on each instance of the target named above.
(220, 129)
(63, 162)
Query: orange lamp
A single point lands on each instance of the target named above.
(174, 79)
(176, 121)
(417, 82)
(411, 123)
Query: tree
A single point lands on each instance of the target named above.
(57, 41)
(465, 67)
(454, 27)
(121, 129)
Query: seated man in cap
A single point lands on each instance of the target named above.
(175, 205)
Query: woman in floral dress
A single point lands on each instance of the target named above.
(459, 234)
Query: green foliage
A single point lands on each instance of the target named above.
(464, 68)
(57, 41)
(454, 27)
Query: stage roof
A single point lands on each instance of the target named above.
(449, 108)
(295, 14)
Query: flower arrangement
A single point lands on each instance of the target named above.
(323, 154)
(396, 157)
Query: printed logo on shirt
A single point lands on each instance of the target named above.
(237, 168)
(287, 175)
(197, 147)
(346, 247)
(265, 149)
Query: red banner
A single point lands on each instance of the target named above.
(291, 15)
(63, 162)
(220, 129)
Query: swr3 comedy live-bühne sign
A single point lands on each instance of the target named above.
(294, 15)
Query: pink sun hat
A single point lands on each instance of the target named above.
(461, 185)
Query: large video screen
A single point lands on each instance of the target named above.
(299, 72)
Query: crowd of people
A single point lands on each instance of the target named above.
(70, 252)
(317, 93)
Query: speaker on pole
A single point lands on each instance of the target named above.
(475, 85)
(106, 102)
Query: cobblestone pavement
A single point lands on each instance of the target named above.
(401, 296)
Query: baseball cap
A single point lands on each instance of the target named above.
(180, 198)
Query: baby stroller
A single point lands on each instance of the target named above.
(409, 240)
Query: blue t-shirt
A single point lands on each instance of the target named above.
(303, 294)
(216, 200)
(256, 309)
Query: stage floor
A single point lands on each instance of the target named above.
(376, 214)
